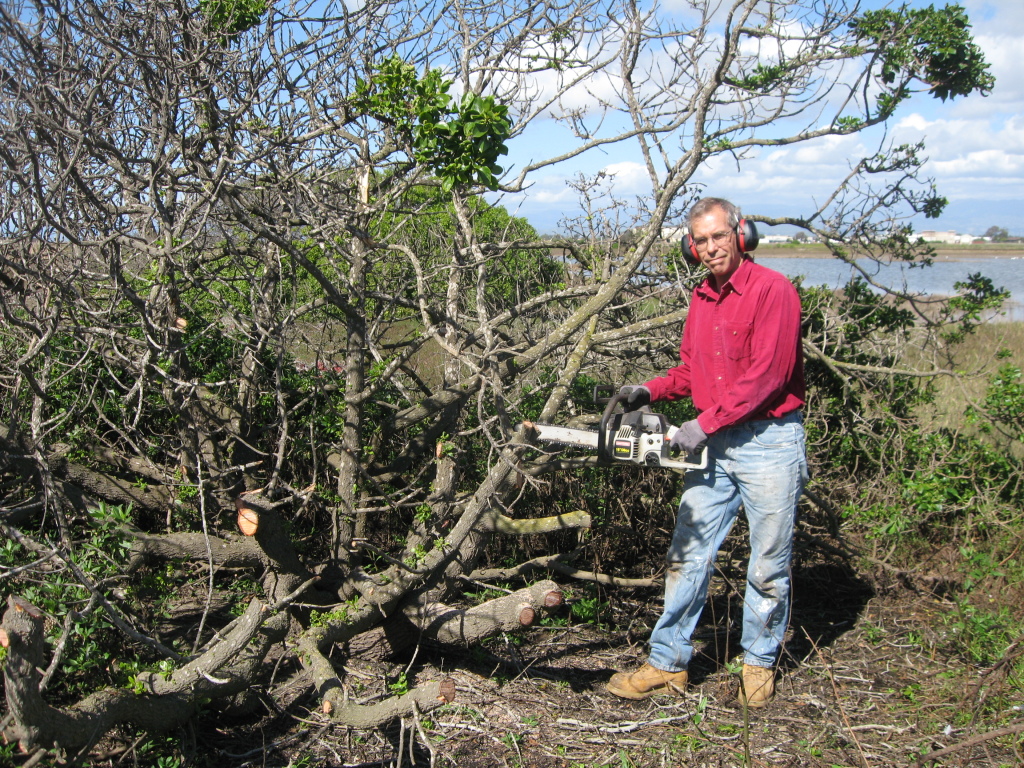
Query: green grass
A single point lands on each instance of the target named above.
(975, 361)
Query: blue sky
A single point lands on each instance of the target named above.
(974, 145)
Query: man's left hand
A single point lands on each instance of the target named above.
(689, 438)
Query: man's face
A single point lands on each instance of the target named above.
(717, 244)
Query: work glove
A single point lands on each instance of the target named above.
(689, 438)
(639, 396)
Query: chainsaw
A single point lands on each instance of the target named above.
(640, 436)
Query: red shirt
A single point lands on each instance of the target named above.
(741, 351)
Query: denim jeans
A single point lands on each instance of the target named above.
(761, 465)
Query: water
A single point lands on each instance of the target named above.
(938, 279)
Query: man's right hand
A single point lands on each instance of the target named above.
(639, 396)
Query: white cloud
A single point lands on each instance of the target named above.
(550, 190)
(913, 122)
(995, 15)
(984, 165)
(828, 150)
(947, 140)
(629, 178)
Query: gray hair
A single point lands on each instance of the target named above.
(706, 204)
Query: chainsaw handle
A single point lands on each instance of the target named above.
(609, 409)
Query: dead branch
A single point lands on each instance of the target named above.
(425, 620)
(556, 564)
(163, 702)
(227, 553)
(526, 526)
(974, 741)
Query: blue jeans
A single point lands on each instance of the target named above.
(763, 466)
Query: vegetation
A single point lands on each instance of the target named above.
(267, 349)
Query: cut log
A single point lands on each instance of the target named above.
(248, 521)
(441, 623)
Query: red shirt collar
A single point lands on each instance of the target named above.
(737, 281)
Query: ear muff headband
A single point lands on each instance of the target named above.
(746, 235)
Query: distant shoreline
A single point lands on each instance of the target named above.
(942, 252)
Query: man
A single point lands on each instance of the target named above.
(741, 363)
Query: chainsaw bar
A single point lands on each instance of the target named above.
(635, 442)
(550, 433)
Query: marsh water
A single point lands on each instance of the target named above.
(939, 278)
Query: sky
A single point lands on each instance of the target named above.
(974, 146)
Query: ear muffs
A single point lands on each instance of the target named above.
(746, 236)
(690, 251)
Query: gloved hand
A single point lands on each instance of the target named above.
(689, 437)
(639, 396)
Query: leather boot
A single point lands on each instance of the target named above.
(647, 681)
(757, 687)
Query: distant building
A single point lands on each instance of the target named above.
(949, 237)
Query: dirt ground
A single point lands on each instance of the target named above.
(857, 687)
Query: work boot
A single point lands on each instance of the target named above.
(757, 686)
(647, 681)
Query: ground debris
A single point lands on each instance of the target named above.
(864, 683)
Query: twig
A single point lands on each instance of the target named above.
(419, 729)
(622, 728)
(209, 554)
(8, 572)
(971, 742)
(401, 743)
(839, 703)
(36, 758)
(554, 563)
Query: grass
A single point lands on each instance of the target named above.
(975, 360)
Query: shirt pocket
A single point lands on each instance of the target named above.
(736, 341)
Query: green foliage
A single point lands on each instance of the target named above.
(400, 685)
(158, 752)
(1004, 401)
(850, 123)
(339, 615)
(589, 608)
(93, 644)
(981, 636)
(944, 479)
(513, 274)
(233, 17)
(867, 313)
(976, 297)
(931, 45)
(459, 142)
(982, 564)
(763, 78)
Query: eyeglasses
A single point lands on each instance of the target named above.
(719, 238)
